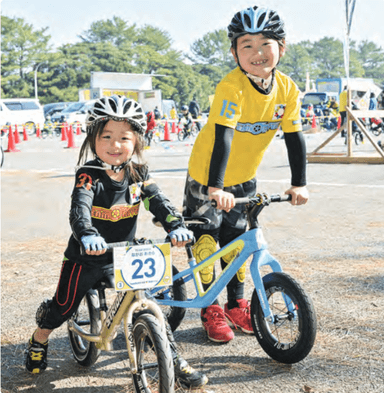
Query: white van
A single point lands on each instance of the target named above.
(22, 111)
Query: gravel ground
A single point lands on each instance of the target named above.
(333, 246)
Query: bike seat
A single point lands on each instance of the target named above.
(105, 282)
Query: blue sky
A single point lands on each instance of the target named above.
(190, 20)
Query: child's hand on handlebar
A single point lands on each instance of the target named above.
(225, 200)
(94, 244)
(300, 195)
(180, 237)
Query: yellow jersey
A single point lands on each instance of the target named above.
(254, 116)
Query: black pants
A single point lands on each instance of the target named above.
(224, 227)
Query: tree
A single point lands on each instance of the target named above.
(157, 39)
(297, 62)
(23, 48)
(115, 30)
(372, 59)
(212, 56)
(213, 48)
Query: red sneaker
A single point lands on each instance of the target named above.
(215, 324)
(240, 317)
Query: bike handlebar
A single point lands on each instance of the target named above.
(259, 199)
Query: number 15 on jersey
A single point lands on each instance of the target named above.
(143, 266)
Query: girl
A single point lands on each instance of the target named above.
(104, 209)
(250, 104)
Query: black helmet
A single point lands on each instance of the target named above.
(255, 20)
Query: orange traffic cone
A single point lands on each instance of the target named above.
(167, 137)
(338, 122)
(17, 136)
(78, 129)
(11, 142)
(63, 131)
(71, 138)
(314, 122)
(25, 135)
(173, 128)
(38, 133)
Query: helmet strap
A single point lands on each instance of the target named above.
(114, 168)
(264, 82)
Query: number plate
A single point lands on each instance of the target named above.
(143, 266)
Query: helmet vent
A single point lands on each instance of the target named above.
(261, 20)
(247, 21)
(112, 103)
(127, 107)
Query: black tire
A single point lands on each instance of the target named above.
(376, 131)
(153, 356)
(194, 130)
(1, 156)
(44, 133)
(359, 138)
(181, 135)
(178, 291)
(87, 317)
(291, 338)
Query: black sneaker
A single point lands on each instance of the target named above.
(187, 375)
(36, 361)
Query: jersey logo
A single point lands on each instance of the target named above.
(278, 112)
(115, 213)
(84, 180)
(257, 128)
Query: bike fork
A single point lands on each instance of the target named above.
(262, 258)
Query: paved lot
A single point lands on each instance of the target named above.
(333, 246)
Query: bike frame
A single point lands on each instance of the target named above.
(123, 308)
(253, 244)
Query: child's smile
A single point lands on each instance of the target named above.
(116, 143)
(257, 54)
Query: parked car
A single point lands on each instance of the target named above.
(74, 113)
(319, 102)
(51, 109)
(22, 111)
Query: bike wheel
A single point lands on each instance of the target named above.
(87, 317)
(194, 130)
(292, 335)
(376, 131)
(359, 138)
(1, 156)
(181, 135)
(178, 291)
(155, 371)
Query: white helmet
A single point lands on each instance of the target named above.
(118, 108)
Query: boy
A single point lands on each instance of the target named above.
(250, 104)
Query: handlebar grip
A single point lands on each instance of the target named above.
(281, 198)
(237, 200)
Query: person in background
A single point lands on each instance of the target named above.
(173, 113)
(342, 108)
(194, 110)
(157, 113)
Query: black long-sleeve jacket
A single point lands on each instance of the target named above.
(102, 206)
